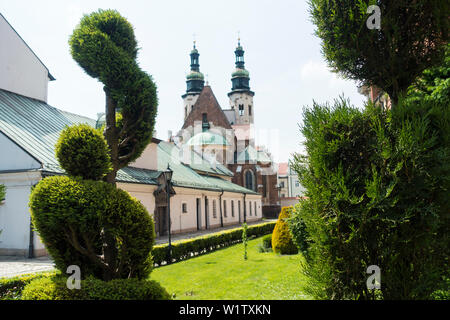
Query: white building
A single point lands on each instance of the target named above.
(204, 195)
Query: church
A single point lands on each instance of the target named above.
(226, 136)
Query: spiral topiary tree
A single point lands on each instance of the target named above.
(104, 45)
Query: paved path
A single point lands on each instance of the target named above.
(181, 236)
(11, 266)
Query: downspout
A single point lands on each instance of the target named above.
(220, 206)
(31, 243)
(245, 209)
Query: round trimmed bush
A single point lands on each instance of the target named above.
(267, 241)
(281, 237)
(82, 151)
(55, 288)
(71, 216)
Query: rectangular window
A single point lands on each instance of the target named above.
(214, 209)
(255, 208)
(250, 208)
(232, 208)
(225, 208)
(239, 209)
(184, 207)
(282, 184)
(241, 109)
(249, 110)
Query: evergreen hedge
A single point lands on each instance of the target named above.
(377, 185)
(186, 249)
(55, 288)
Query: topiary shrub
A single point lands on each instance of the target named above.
(281, 237)
(82, 144)
(71, 215)
(55, 288)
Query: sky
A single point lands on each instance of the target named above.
(282, 54)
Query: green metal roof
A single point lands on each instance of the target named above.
(35, 127)
(195, 75)
(207, 138)
(240, 73)
(252, 155)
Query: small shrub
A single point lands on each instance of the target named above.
(281, 237)
(11, 288)
(267, 241)
(297, 228)
(82, 151)
(266, 244)
(55, 288)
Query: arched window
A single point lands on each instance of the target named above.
(249, 180)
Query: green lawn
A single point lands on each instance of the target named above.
(224, 274)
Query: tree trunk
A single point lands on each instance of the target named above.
(111, 137)
(109, 241)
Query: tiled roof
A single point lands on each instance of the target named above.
(207, 103)
(35, 127)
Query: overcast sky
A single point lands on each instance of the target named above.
(287, 70)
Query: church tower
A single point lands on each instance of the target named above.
(241, 97)
(194, 83)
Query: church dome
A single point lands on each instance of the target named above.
(195, 75)
(207, 138)
(240, 73)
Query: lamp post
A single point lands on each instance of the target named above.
(168, 177)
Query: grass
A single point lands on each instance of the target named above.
(225, 275)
